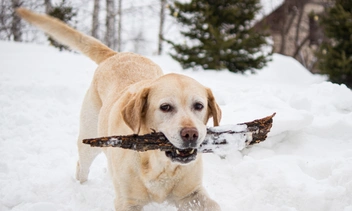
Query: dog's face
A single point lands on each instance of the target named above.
(177, 106)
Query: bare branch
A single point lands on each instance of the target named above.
(217, 137)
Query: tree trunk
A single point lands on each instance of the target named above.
(16, 22)
(298, 25)
(4, 29)
(161, 26)
(95, 18)
(48, 6)
(119, 38)
(110, 23)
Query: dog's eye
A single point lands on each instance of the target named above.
(166, 108)
(198, 106)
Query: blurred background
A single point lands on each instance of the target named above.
(238, 35)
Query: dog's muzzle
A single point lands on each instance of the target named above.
(188, 152)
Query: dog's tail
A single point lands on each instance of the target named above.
(66, 35)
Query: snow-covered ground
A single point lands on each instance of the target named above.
(304, 165)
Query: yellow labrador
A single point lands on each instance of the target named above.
(129, 94)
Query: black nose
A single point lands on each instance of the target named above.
(189, 136)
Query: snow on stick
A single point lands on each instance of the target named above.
(217, 139)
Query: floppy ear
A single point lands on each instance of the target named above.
(134, 110)
(214, 108)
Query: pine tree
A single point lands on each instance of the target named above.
(64, 13)
(219, 35)
(335, 54)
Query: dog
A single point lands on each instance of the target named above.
(129, 94)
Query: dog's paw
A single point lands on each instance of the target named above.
(81, 176)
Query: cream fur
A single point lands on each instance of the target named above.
(124, 97)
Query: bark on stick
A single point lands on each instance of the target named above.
(242, 135)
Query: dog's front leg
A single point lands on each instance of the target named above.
(198, 201)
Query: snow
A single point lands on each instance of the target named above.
(223, 140)
(305, 164)
(268, 6)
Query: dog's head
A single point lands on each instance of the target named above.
(177, 106)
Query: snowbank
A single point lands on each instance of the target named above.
(305, 164)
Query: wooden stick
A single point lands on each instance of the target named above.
(243, 134)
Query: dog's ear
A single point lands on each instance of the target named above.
(135, 110)
(214, 108)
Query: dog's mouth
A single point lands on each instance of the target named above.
(183, 156)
